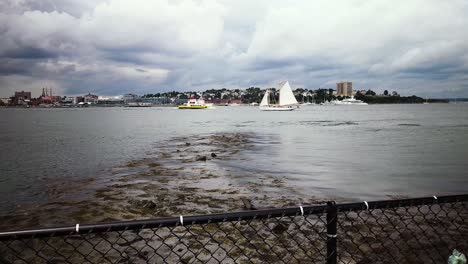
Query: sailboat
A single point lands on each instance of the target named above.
(286, 101)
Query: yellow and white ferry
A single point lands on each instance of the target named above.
(194, 103)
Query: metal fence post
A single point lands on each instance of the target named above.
(332, 211)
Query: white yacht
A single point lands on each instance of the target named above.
(287, 101)
(348, 101)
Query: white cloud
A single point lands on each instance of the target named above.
(202, 44)
(154, 25)
(356, 32)
(436, 52)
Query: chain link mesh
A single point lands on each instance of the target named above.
(416, 234)
(287, 239)
(408, 234)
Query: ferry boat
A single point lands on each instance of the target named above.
(194, 103)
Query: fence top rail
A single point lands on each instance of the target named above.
(224, 217)
(402, 202)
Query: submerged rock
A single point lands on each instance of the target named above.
(147, 204)
(150, 205)
(200, 158)
(248, 204)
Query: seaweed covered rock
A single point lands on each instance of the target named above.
(200, 158)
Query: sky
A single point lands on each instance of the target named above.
(113, 47)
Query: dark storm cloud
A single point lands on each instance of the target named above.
(117, 46)
(28, 53)
(12, 66)
(142, 57)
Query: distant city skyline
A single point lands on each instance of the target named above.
(114, 47)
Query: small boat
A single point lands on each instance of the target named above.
(287, 101)
(194, 103)
(348, 101)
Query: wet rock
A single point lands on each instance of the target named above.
(147, 204)
(200, 158)
(248, 204)
(150, 205)
(213, 155)
(132, 164)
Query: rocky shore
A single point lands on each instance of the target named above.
(188, 175)
(184, 175)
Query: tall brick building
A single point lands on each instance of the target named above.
(344, 89)
(22, 97)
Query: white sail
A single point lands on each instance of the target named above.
(286, 96)
(265, 98)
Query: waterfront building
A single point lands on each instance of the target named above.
(235, 102)
(90, 98)
(155, 100)
(179, 101)
(22, 98)
(149, 101)
(47, 98)
(129, 98)
(220, 101)
(110, 100)
(344, 89)
(78, 99)
(5, 101)
(69, 100)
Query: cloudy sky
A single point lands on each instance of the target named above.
(112, 47)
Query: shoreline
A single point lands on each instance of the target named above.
(173, 105)
(184, 175)
(165, 178)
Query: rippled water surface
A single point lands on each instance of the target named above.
(347, 152)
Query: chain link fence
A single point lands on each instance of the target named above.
(423, 230)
